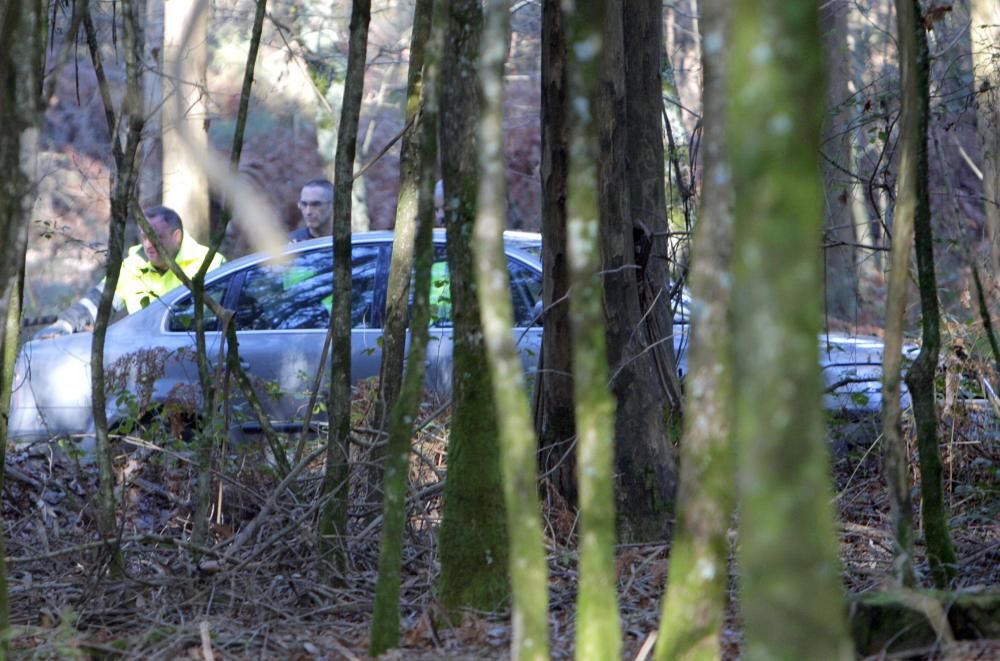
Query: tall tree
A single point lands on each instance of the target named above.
(518, 446)
(22, 27)
(841, 276)
(123, 181)
(418, 158)
(985, 40)
(473, 537)
(554, 421)
(894, 453)
(592, 27)
(787, 542)
(914, 61)
(694, 605)
(645, 466)
(333, 515)
(185, 50)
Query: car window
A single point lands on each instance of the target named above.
(525, 285)
(298, 295)
(525, 292)
(182, 313)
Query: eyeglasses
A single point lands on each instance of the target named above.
(312, 204)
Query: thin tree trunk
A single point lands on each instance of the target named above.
(985, 40)
(841, 278)
(185, 51)
(333, 514)
(598, 631)
(914, 59)
(792, 598)
(695, 602)
(397, 309)
(554, 422)
(518, 444)
(419, 156)
(473, 539)
(123, 180)
(894, 453)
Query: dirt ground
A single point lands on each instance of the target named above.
(257, 595)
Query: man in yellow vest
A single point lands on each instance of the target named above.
(145, 274)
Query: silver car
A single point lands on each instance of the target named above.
(282, 310)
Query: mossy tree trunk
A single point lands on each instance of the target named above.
(914, 60)
(518, 444)
(473, 538)
(123, 181)
(792, 599)
(554, 421)
(333, 514)
(419, 154)
(598, 630)
(695, 602)
(397, 308)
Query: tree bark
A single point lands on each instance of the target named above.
(787, 541)
(598, 630)
(518, 444)
(123, 181)
(645, 465)
(333, 515)
(985, 40)
(554, 421)
(473, 537)
(841, 278)
(419, 156)
(185, 49)
(397, 309)
(914, 61)
(695, 602)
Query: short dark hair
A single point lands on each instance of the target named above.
(320, 183)
(168, 215)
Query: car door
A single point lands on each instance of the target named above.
(282, 316)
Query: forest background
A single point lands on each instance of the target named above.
(303, 64)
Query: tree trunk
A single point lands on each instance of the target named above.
(841, 278)
(642, 23)
(792, 598)
(914, 61)
(518, 444)
(473, 537)
(123, 180)
(333, 515)
(22, 29)
(894, 453)
(645, 466)
(598, 631)
(397, 309)
(554, 422)
(985, 39)
(419, 156)
(185, 50)
(695, 602)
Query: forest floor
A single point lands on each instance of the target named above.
(258, 595)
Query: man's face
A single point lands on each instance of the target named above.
(169, 237)
(316, 206)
